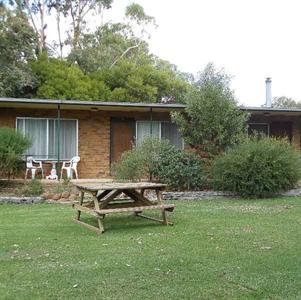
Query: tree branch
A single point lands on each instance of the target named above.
(124, 53)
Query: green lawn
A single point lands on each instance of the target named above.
(222, 249)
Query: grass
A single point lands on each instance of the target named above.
(223, 249)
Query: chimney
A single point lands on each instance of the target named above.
(268, 92)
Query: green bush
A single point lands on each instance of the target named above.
(160, 161)
(33, 188)
(180, 170)
(257, 167)
(12, 146)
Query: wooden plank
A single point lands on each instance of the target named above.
(169, 207)
(96, 186)
(159, 196)
(80, 203)
(85, 209)
(165, 222)
(138, 197)
(122, 205)
(100, 225)
(93, 228)
(103, 194)
(110, 196)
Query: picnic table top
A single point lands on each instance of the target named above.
(97, 186)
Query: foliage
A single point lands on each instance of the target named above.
(285, 102)
(100, 49)
(136, 164)
(161, 161)
(59, 80)
(17, 47)
(257, 167)
(12, 146)
(142, 83)
(33, 188)
(212, 121)
(136, 12)
(180, 170)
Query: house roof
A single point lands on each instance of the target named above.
(87, 105)
(125, 106)
(272, 111)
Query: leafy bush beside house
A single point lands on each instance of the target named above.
(159, 160)
(257, 167)
(12, 146)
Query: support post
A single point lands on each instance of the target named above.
(58, 137)
(151, 133)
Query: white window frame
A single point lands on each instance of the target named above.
(268, 125)
(160, 131)
(47, 140)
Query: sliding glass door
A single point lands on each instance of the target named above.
(43, 135)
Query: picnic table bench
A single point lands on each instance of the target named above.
(106, 200)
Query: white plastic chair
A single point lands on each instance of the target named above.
(33, 168)
(70, 166)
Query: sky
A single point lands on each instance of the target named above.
(250, 39)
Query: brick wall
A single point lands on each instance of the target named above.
(93, 134)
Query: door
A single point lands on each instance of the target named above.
(281, 130)
(122, 137)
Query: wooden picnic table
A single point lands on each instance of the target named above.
(106, 200)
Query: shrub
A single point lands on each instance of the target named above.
(180, 170)
(159, 160)
(12, 146)
(257, 167)
(33, 188)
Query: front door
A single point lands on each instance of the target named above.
(122, 137)
(281, 130)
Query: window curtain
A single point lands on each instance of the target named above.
(43, 134)
(35, 130)
(144, 131)
(68, 139)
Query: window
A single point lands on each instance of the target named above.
(43, 135)
(160, 130)
(259, 128)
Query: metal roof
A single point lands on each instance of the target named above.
(270, 109)
(91, 103)
(78, 104)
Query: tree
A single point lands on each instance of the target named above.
(142, 83)
(285, 102)
(79, 11)
(103, 48)
(113, 42)
(211, 121)
(60, 80)
(112, 63)
(17, 47)
(35, 11)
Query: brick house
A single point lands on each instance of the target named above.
(99, 132)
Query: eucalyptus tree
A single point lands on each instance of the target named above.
(212, 120)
